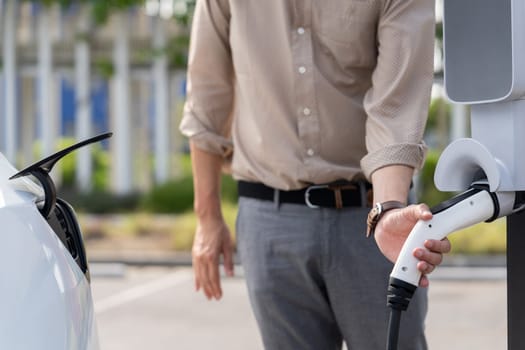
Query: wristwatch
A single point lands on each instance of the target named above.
(377, 212)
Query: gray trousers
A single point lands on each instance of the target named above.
(315, 280)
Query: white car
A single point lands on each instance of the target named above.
(45, 295)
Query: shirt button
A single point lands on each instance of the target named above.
(310, 152)
(307, 111)
(302, 69)
(300, 30)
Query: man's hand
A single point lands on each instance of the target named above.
(212, 237)
(393, 229)
(211, 240)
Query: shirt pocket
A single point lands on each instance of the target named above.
(347, 30)
(347, 22)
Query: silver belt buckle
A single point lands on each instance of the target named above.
(307, 195)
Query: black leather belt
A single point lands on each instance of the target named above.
(340, 194)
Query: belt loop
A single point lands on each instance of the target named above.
(276, 199)
(363, 193)
(338, 198)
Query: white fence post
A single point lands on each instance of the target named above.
(161, 92)
(122, 171)
(83, 125)
(48, 119)
(10, 130)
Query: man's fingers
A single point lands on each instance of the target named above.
(215, 281)
(228, 260)
(213, 289)
(204, 279)
(422, 212)
(414, 213)
(209, 275)
(197, 284)
(425, 268)
(424, 282)
(442, 246)
(211, 241)
(434, 252)
(203, 276)
(428, 256)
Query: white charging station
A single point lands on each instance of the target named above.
(484, 45)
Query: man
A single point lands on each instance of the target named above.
(310, 99)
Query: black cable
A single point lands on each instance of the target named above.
(399, 295)
(393, 329)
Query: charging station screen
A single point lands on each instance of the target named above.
(478, 49)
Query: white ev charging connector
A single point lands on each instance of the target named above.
(468, 208)
(471, 207)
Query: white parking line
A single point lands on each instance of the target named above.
(132, 294)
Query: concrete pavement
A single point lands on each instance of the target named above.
(156, 308)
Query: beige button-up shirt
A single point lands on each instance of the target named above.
(303, 92)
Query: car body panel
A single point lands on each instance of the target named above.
(45, 298)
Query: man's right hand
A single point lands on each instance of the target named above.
(212, 238)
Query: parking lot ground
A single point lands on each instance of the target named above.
(156, 308)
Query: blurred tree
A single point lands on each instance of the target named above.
(438, 125)
(101, 10)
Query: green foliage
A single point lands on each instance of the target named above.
(429, 194)
(438, 112)
(177, 51)
(439, 31)
(100, 161)
(176, 196)
(63, 3)
(102, 9)
(185, 18)
(186, 224)
(67, 164)
(104, 68)
(49, 2)
(101, 202)
(101, 168)
(229, 189)
(184, 163)
(438, 124)
(484, 238)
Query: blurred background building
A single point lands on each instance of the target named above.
(73, 69)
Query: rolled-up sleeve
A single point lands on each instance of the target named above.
(397, 103)
(208, 111)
